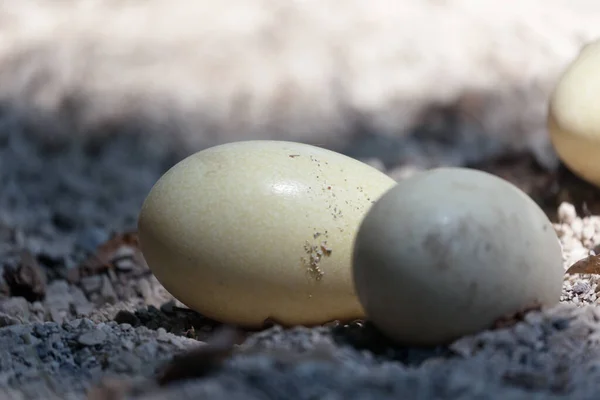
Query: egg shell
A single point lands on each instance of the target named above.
(260, 230)
(574, 115)
(448, 252)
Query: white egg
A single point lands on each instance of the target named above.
(448, 252)
(256, 230)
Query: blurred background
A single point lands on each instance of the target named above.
(468, 77)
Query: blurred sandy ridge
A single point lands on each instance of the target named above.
(318, 71)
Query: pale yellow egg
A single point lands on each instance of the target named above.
(256, 230)
(574, 115)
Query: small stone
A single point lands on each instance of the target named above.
(561, 324)
(45, 330)
(123, 252)
(28, 280)
(86, 323)
(124, 264)
(58, 316)
(567, 213)
(57, 288)
(168, 307)
(29, 339)
(92, 338)
(74, 323)
(80, 302)
(128, 318)
(107, 292)
(58, 300)
(588, 232)
(91, 284)
(19, 238)
(144, 289)
(112, 275)
(577, 227)
(127, 344)
(16, 307)
(581, 287)
(534, 318)
(162, 335)
(7, 320)
(37, 307)
(125, 290)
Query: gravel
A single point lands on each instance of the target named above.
(82, 317)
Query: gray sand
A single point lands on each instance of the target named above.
(74, 171)
(121, 324)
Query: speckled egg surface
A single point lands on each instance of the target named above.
(260, 230)
(450, 251)
(574, 115)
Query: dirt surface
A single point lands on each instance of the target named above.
(83, 316)
(92, 112)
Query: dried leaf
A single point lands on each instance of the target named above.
(204, 359)
(107, 254)
(512, 319)
(588, 265)
(28, 280)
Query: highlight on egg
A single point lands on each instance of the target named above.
(256, 231)
(447, 252)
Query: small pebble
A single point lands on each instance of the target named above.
(16, 307)
(144, 289)
(162, 335)
(91, 284)
(92, 338)
(7, 320)
(123, 252)
(107, 292)
(124, 264)
(566, 213)
(581, 287)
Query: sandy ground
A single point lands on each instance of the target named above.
(71, 322)
(99, 98)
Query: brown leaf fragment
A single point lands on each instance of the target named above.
(122, 251)
(513, 319)
(588, 265)
(203, 360)
(28, 280)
